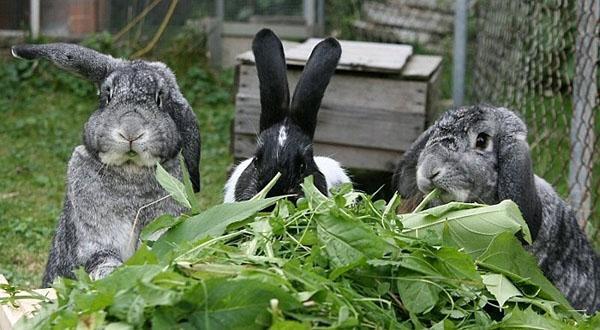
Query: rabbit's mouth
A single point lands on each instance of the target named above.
(128, 158)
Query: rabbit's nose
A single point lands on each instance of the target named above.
(131, 137)
(434, 173)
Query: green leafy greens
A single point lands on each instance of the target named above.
(345, 261)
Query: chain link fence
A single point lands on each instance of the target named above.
(541, 59)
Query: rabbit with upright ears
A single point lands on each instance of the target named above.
(286, 131)
(480, 154)
(142, 118)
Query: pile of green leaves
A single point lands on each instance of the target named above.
(346, 261)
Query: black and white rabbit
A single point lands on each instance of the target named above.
(286, 131)
(480, 154)
(142, 118)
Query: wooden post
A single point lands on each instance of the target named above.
(585, 89)
(215, 35)
(460, 51)
(34, 18)
(310, 14)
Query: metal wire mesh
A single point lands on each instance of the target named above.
(541, 59)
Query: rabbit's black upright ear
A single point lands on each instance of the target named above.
(516, 180)
(272, 78)
(86, 62)
(312, 84)
(405, 176)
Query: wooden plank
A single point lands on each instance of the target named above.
(421, 66)
(429, 40)
(10, 315)
(349, 157)
(286, 31)
(416, 67)
(434, 106)
(445, 6)
(346, 90)
(358, 55)
(374, 128)
(409, 18)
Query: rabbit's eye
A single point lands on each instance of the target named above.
(109, 93)
(482, 142)
(158, 99)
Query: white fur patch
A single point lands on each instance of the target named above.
(14, 54)
(421, 179)
(522, 137)
(233, 180)
(282, 136)
(460, 195)
(334, 174)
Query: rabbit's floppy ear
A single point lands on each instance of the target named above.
(312, 84)
(272, 77)
(405, 176)
(184, 118)
(516, 180)
(86, 62)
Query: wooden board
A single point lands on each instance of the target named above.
(380, 129)
(409, 18)
(286, 31)
(421, 67)
(418, 67)
(429, 40)
(352, 91)
(348, 156)
(9, 315)
(446, 6)
(358, 55)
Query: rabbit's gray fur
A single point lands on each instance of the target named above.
(142, 118)
(448, 156)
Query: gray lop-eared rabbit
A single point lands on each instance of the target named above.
(480, 154)
(287, 130)
(142, 118)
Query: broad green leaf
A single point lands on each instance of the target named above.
(529, 319)
(289, 325)
(157, 225)
(500, 287)
(135, 314)
(126, 277)
(348, 241)
(506, 256)
(189, 188)
(173, 186)
(209, 270)
(210, 223)
(93, 301)
(313, 195)
(457, 264)
(237, 304)
(143, 256)
(471, 226)
(154, 295)
(418, 295)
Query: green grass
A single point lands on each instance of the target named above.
(40, 127)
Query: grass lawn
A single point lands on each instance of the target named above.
(39, 129)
